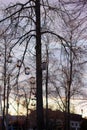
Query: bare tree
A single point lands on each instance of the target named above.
(72, 55)
(29, 23)
(25, 27)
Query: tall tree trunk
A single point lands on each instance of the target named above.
(47, 88)
(39, 96)
(69, 86)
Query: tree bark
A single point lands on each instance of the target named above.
(39, 94)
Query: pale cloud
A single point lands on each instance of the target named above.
(6, 2)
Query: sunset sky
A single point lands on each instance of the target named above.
(77, 103)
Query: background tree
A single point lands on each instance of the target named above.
(70, 68)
